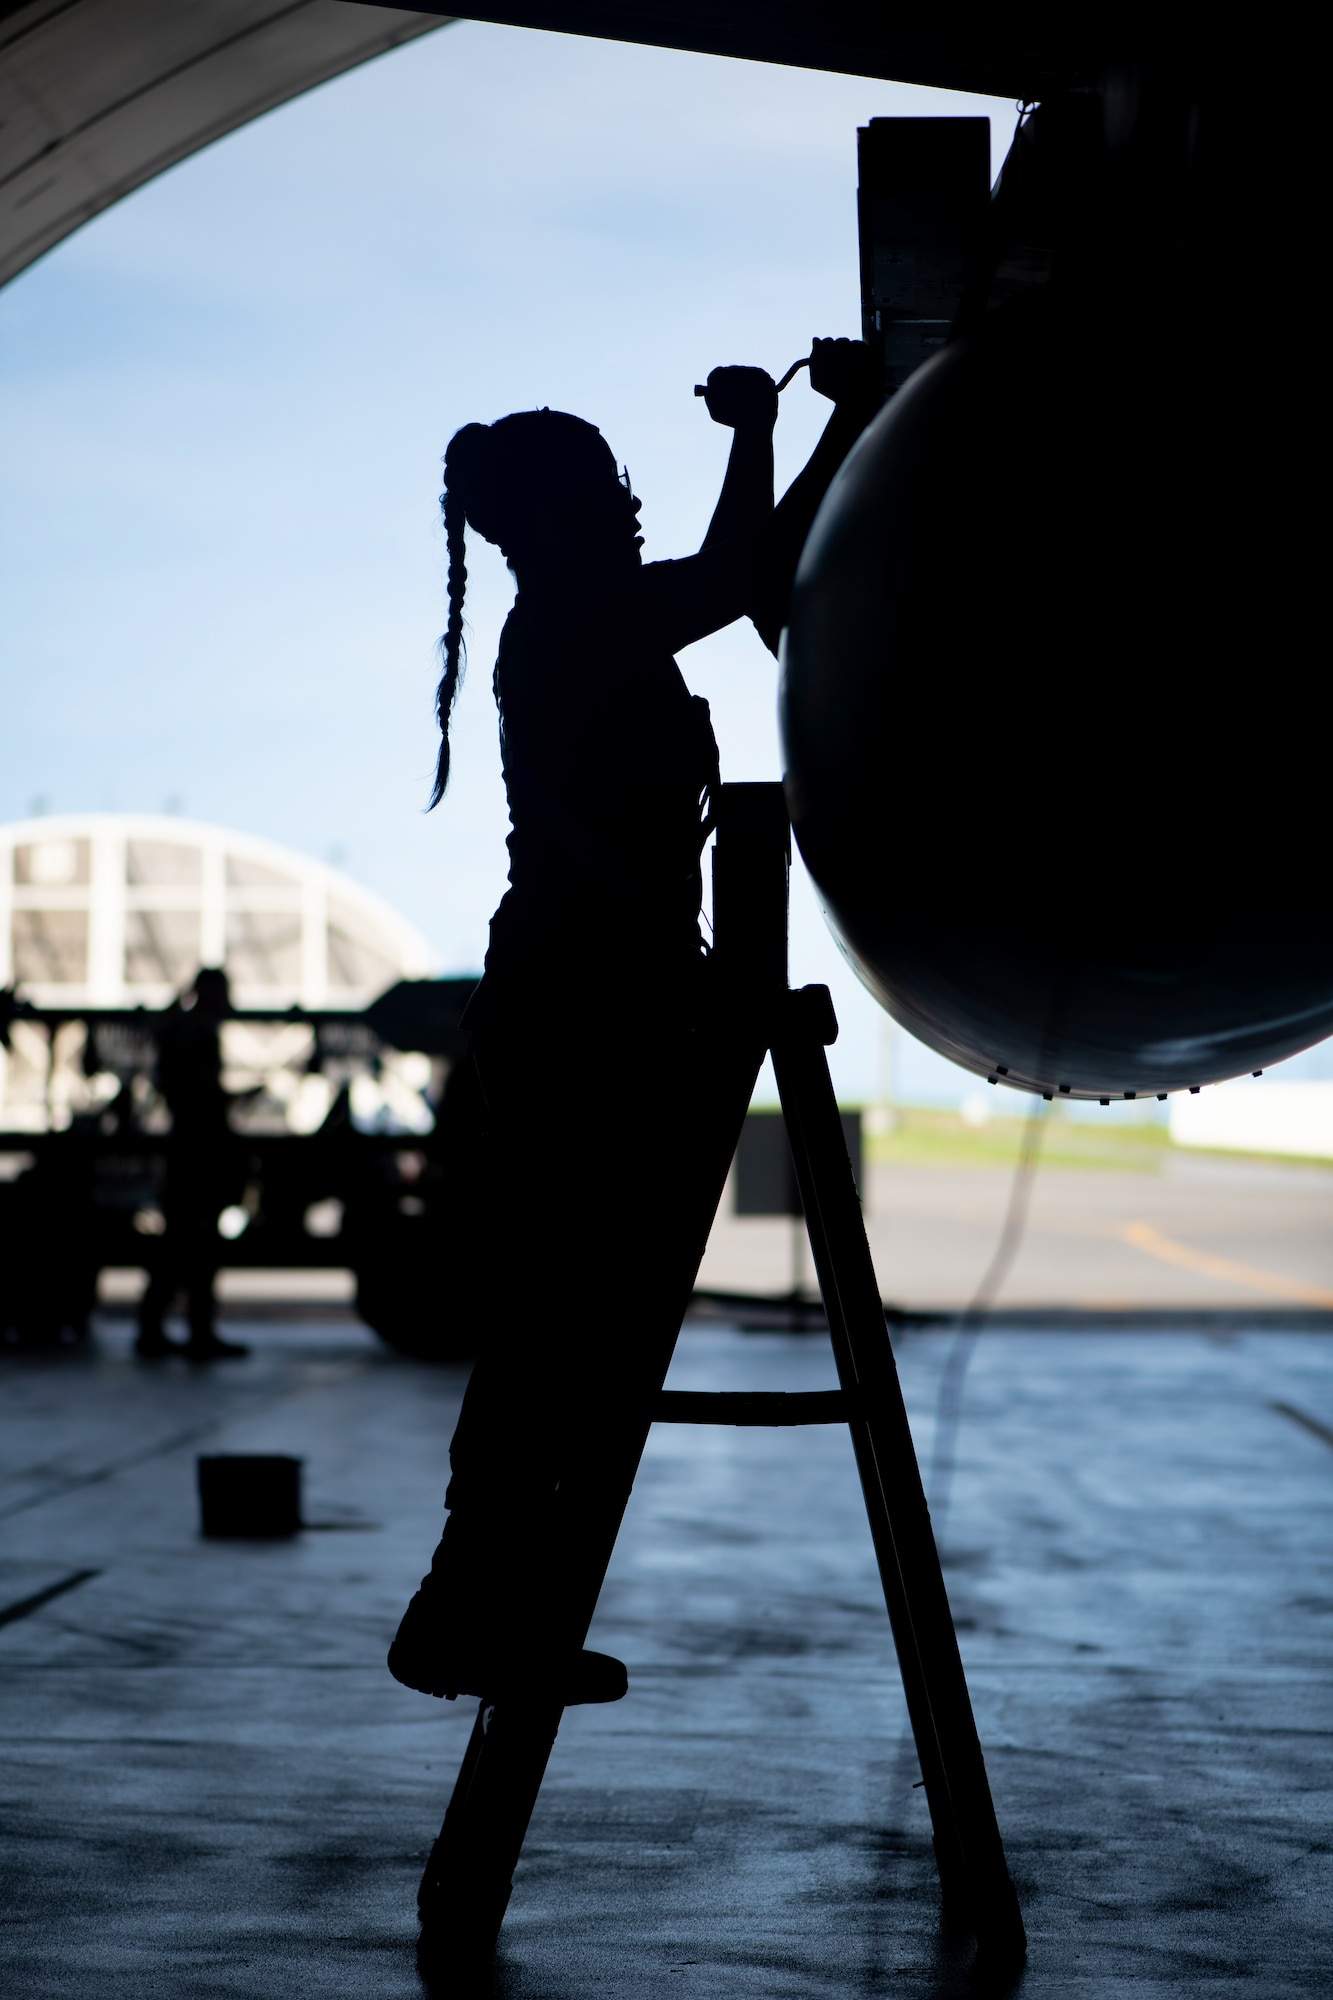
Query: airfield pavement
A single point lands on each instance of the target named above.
(1185, 1232)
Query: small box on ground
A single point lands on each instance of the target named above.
(249, 1498)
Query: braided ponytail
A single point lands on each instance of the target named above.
(452, 650)
(503, 480)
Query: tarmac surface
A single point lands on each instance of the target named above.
(1192, 1234)
(211, 1786)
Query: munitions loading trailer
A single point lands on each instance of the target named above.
(392, 1205)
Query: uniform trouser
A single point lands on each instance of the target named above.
(588, 1160)
(188, 1261)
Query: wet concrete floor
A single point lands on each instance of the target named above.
(211, 1786)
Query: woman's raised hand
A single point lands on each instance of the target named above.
(742, 398)
(846, 371)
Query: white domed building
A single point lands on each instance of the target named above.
(121, 910)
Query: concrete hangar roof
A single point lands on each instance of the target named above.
(98, 96)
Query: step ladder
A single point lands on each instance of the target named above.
(469, 1876)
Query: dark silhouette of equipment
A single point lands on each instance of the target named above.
(764, 1182)
(765, 1172)
(1053, 756)
(922, 195)
(398, 1209)
(467, 1882)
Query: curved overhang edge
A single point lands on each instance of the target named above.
(80, 130)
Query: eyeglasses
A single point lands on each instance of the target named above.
(625, 479)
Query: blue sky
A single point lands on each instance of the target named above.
(224, 404)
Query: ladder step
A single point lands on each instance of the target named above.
(761, 1410)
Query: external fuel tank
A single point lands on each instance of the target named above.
(1055, 700)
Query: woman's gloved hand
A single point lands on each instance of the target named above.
(846, 371)
(744, 398)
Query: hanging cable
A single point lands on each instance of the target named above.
(949, 1406)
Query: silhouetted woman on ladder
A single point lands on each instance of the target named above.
(583, 1027)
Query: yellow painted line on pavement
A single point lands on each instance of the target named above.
(1153, 1243)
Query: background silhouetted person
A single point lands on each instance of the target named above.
(584, 1026)
(201, 1173)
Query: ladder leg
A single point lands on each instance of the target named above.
(974, 1875)
(468, 1879)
